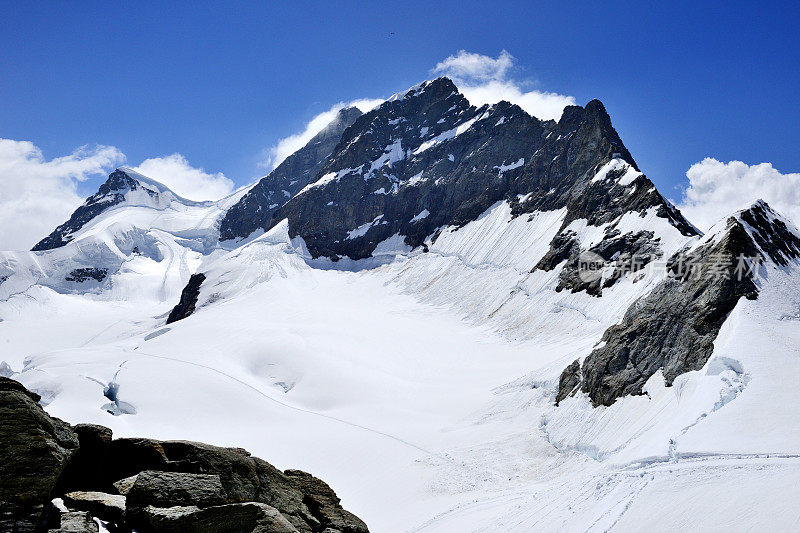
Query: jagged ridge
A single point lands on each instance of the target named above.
(429, 152)
(673, 328)
(254, 210)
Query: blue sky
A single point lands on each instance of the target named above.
(682, 81)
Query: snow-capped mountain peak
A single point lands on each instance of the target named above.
(776, 237)
(472, 292)
(123, 186)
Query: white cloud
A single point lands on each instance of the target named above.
(716, 190)
(470, 66)
(175, 172)
(486, 80)
(37, 195)
(288, 145)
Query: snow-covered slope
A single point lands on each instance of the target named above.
(422, 376)
(117, 271)
(402, 402)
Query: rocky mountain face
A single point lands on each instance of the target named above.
(111, 193)
(122, 185)
(145, 484)
(673, 328)
(254, 211)
(427, 159)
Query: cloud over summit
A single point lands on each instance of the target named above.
(482, 79)
(175, 172)
(718, 189)
(487, 80)
(37, 194)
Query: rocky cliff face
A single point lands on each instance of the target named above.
(146, 484)
(674, 327)
(427, 159)
(255, 209)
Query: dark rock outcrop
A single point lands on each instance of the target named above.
(563, 246)
(569, 381)
(254, 210)
(145, 484)
(233, 518)
(79, 275)
(188, 299)
(324, 503)
(430, 150)
(771, 233)
(626, 253)
(34, 450)
(673, 328)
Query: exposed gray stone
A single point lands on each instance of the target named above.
(34, 450)
(124, 486)
(231, 518)
(164, 489)
(324, 503)
(673, 328)
(564, 246)
(626, 254)
(76, 522)
(569, 381)
(772, 236)
(108, 507)
(80, 275)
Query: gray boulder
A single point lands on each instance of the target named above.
(166, 489)
(107, 507)
(124, 486)
(34, 452)
(76, 522)
(324, 503)
(232, 518)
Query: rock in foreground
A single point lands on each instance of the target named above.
(146, 484)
